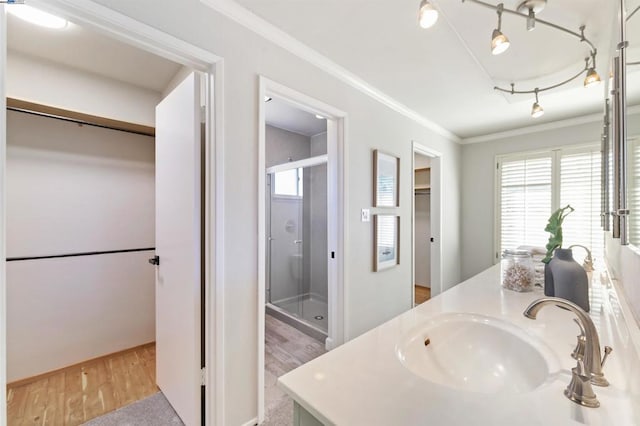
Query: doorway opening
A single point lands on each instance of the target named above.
(300, 198)
(91, 325)
(422, 227)
(426, 190)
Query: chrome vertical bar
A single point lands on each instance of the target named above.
(623, 211)
(606, 156)
(616, 148)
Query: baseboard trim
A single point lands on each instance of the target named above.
(33, 379)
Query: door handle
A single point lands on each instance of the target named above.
(155, 260)
(297, 241)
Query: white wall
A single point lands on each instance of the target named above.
(73, 189)
(283, 146)
(371, 298)
(36, 80)
(64, 311)
(77, 188)
(478, 183)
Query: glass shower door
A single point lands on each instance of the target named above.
(285, 226)
(298, 243)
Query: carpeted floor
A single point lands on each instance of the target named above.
(152, 411)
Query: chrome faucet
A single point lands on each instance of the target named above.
(588, 261)
(592, 355)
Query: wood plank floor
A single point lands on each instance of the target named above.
(286, 348)
(84, 391)
(422, 294)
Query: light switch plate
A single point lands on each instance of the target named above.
(365, 216)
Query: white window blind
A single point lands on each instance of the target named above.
(580, 186)
(633, 198)
(525, 200)
(532, 186)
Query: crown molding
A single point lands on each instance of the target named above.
(258, 25)
(576, 121)
(585, 119)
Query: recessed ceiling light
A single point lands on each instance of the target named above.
(37, 17)
(319, 117)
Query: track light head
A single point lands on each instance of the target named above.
(499, 42)
(427, 14)
(592, 79)
(536, 109)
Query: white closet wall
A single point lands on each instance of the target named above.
(73, 189)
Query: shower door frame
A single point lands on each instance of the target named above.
(317, 160)
(336, 216)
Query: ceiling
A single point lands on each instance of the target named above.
(279, 113)
(447, 73)
(91, 52)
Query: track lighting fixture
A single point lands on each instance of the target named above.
(427, 14)
(499, 41)
(536, 109)
(528, 10)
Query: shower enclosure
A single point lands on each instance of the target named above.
(297, 254)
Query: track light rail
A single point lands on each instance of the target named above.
(540, 89)
(580, 36)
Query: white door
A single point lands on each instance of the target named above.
(178, 247)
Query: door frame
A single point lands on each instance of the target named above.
(128, 30)
(435, 216)
(336, 190)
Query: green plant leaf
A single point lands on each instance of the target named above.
(554, 227)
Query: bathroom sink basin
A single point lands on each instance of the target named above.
(474, 353)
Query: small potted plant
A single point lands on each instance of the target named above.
(563, 276)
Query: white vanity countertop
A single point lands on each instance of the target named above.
(364, 383)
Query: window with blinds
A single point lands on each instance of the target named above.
(633, 198)
(525, 200)
(580, 186)
(532, 186)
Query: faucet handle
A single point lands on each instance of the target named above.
(578, 352)
(580, 390)
(607, 351)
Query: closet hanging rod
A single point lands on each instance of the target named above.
(40, 110)
(88, 253)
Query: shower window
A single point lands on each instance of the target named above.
(288, 183)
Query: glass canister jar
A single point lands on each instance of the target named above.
(518, 272)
